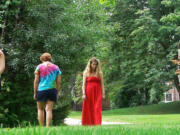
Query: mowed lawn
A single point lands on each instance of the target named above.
(168, 113)
(161, 119)
(96, 130)
(137, 119)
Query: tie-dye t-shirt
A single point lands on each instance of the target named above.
(48, 73)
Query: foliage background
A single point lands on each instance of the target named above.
(135, 41)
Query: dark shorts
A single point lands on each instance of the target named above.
(50, 94)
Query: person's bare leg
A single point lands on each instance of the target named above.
(41, 107)
(49, 107)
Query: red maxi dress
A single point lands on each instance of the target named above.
(92, 105)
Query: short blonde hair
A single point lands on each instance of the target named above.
(46, 57)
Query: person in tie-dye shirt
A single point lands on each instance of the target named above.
(46, 87)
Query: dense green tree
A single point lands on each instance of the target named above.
(134, 40)
(146, 36)
(69, 30)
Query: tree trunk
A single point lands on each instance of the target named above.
(176, 82)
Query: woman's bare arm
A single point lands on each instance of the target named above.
(2, 62)
(102, 85)
(84, 86)
(36, 83)
(58, 83)
(84, 83)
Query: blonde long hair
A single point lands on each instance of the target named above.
(88, 69)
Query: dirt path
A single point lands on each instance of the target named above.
(71, 122)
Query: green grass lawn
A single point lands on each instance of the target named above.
(151, 114)
(162, 119)
(96, 130)
(137, 119)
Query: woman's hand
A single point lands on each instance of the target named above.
(84, 97)
(103, 96)
(1, 52)
(35, 96)
(58, 94)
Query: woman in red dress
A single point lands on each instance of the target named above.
(93, 92)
